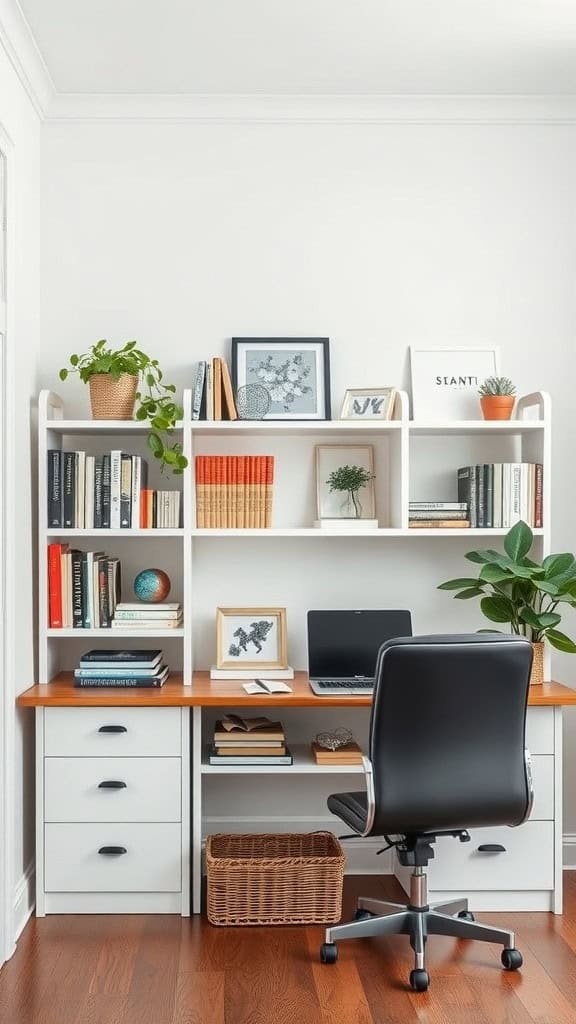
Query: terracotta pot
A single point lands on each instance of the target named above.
(537, 674)
(113, 399)
(497, 407)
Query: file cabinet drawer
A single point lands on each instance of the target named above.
(540, 730)
(527, 861)
(147, 858)
(91, 789)
(105, 732)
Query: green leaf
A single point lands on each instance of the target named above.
(129, 346)
(155, 444)
(63, 374)
(518, 541)
(74, 359)
(547, 587)
(497, 608)
(491, 573)
(141, 413)
(540, 620)
(463, 581)
(483, 556)
(560, 641)
(465, 595)
(556, 564)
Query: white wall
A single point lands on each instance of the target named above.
(183, 235)
(20, 122)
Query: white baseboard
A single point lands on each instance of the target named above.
(24, 899)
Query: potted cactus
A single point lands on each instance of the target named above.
(497, 398)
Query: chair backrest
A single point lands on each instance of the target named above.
(447, 732)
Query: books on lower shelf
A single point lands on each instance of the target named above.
(444, 515)
(501, 494)
(108, 491)
(126, 669)
(142, 616)
(249, 741)
(348, 754)
(84, 588)
(234, 491)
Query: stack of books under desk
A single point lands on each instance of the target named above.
(131, 668)
(249, 741)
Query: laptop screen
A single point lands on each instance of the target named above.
(344, 644)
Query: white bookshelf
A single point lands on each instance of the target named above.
(415, 460)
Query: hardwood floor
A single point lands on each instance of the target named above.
(164, 970)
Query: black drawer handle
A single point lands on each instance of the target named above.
(112, 851)
(111, 784)
(112, 728)
(491, 848)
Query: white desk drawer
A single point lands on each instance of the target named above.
(543, 775)
(101, 732)
(144, 789)
(151, 862)
(540, 730)
(526, 863)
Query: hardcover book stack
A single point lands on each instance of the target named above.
(249, 741)
(234, 491)
(444, 515)
(121, 668)
(500, 494)
(84, 588)
(350, 753)
(137, 615)
(109, 491)
(213, 397)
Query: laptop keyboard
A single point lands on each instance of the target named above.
(345, 684)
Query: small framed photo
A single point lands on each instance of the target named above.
(294, 371)
(445, 381)
(368, 404)
(251, 638)
(345, 481)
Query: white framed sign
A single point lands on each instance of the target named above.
(445, 381)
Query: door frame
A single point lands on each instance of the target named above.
(7, 575)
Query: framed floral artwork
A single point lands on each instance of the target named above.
(294, 371)
(251, 638)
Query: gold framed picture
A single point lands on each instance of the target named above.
(251, 638)
(368, 404)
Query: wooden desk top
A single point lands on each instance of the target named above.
(205, 692)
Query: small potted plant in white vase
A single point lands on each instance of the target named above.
(497, 398)
(350, 480)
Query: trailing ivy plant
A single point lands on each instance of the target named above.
(524, 593)
(154, 401)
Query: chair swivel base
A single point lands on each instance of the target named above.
(418, 921)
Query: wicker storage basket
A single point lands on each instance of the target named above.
(113, 399)
(274, 879)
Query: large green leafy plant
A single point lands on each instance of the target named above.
(154, 401)
(515, 589)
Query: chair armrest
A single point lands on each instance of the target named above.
(529, 784)
(371, 810)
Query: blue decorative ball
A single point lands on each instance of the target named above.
(152, 585)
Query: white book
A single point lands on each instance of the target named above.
(209, 391)
(516, 495)
(137, 606)
(79, 511)
(243, 673)
(264, 686)
(66, 566)
(136, 491)
(115, 474)
(198, 389)
(90, 586)
(524, 492)
(147, 614)
(96, 594)
(497, 496)
(89, 493)
(531, 494)
(506, 495)
(145, 625)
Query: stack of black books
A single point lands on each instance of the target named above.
(121, 668)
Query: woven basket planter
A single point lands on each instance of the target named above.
(537, 674)
(274, 879)
(113, 399)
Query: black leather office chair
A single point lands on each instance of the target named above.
(446, 754)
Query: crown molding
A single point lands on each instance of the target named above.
(284, 109)
(20, 47)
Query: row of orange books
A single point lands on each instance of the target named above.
(234, 491)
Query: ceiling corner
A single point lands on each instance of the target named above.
(18, 43)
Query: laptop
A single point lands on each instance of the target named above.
(343, 646)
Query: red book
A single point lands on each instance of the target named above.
(269, 489)
(54, 587)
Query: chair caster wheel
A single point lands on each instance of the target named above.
(511, 959)
(362, 915)
(328, 953)
(419, 980)
(466, 915)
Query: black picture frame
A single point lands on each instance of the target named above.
(294, 343)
